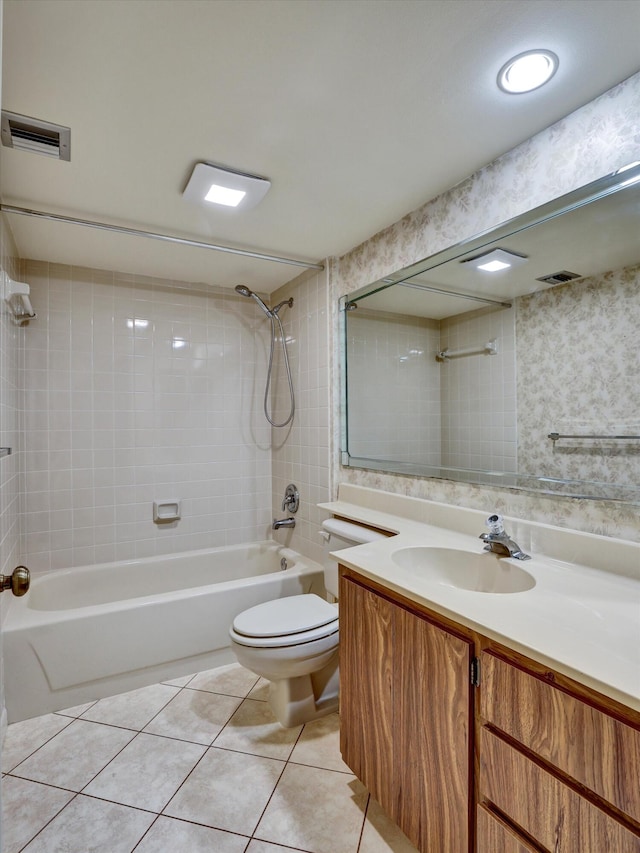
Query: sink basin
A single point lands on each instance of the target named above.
(483, 572)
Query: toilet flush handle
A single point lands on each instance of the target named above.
(18, 581)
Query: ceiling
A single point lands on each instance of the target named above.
(358, 111)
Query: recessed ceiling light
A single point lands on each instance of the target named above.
(214, 185)
(527, 71)
(495, 260)
(224, 195)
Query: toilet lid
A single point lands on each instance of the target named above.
(285, 616)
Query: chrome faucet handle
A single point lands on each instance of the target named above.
(291, 500)
(495, 524)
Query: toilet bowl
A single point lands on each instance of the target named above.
(293, 641)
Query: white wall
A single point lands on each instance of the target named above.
(139, 390)
(301, 450)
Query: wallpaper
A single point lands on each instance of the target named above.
(564, 338)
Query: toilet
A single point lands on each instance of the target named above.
(293, 641)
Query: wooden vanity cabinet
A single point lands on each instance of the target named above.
(406, 714)
(563, 769)
(557, 766)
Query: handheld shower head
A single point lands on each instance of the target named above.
(244, 291)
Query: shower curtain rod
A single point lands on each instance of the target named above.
(167, 238)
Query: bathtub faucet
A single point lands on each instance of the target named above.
(283, 522)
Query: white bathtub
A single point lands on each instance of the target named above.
(85, 633)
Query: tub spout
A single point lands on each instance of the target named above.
(283, 522)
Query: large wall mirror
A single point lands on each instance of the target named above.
(512, 359)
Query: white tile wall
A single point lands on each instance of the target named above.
(479, 393)
(394, 387)
(406, 406)
(138, 390)
(301, 450)
(11, 337)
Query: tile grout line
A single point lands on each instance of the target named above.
(285, 765)
(22, 760)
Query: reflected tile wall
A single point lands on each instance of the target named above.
(139, 390)
(479, 392)
(394, 387)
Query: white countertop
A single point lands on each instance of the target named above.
(581, 618)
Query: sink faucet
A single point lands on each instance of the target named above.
(499, 542)
(283, 522)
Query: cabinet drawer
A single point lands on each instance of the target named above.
(590, 746)
(544, 807)
(496, 837)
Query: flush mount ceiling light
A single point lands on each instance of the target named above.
(495, 261)
(527, 71)
(214, 185)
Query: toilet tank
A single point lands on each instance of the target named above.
(340, 534)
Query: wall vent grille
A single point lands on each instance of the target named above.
(559, 277)
(38, 137)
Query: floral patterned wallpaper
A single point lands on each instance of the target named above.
(564, 335)
(597, 139)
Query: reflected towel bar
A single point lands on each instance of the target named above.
(554, 436)
(490, 348)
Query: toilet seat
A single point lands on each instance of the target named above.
(288, 621)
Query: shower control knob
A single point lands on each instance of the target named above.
(18, 581)
(291, 500)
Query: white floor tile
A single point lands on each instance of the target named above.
(26, 808)
(25, 737)
(131, 710)
(319, 745)
(233, 680)
(227, 790)
(294, 816)
(74, 756)
(147, 773)
(381, 835)
(194, 715)
(92, 826)
(254, 729)
(168, 834)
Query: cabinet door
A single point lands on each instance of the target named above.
(366, 689)
(494, 836)
(433, 726)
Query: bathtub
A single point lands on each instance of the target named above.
(85, 633)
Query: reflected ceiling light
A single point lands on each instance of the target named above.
(213, 185)
(527, 71)
(495, 260)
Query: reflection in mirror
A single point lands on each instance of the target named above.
(460, 372)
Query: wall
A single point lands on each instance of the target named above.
(300, 451)
(595, 140)
(407, 406)
(138, 390)
(394, 386)
(564, 336)
(479, 392)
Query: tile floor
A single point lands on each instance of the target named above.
(187, 766)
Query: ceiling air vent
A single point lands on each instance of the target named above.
(39, 137)
(559, 277)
